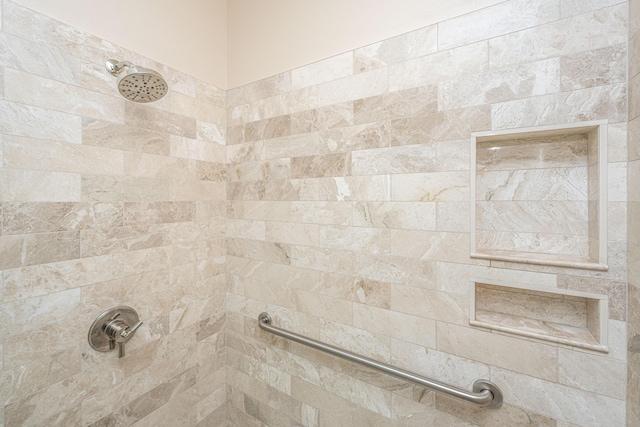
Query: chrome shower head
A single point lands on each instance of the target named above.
(138, 84)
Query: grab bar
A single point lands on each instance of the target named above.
(485, 393)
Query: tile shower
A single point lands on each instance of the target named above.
(335, 196)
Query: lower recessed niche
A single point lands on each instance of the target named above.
(562, 316)
(539, 195)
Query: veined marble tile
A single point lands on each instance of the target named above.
(159, 121)
(260, 170)
(43, 248)
(452, 155)
(358, 340)
(307, 144)
(27, 153)
(260, 210)
(452, 216)
(324, 212)
(558, 244)
(330, 260)
(393, 105)
(430, 187)
(395, 325)
(23, 218)
(617, 180)
(591, 372)
(194, 149)
(359, 239)
(212, 132)
(594, 30)
(577, 7)
(553, 217)
(40, 92)
(38, 59)
(521, 81)
(210, 171)
(267, 87)
(634, 90)
(17, 185)
(503, 18)
(598, 67)
(634, 45)
(34, 122)
(604, 102)
(394, 160)
(239, 228)
(407, 46)
(559, 401)
(101, 242)
(538, 153)
(267, 128)
(122, 137)
(322, 118)
(531, 358)
(403, 215)
(396, 270)
(438, 365)
(432, 304)
(370, 188)
(292, 233)
(329, 69)
(431, 245)
(557, 184)
(441, 66)
(353, 87)
(344, 139)
(12, 248)
(260, 250)
(246, 151)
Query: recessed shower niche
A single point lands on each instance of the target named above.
(541, 195)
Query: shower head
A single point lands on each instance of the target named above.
(138, 84)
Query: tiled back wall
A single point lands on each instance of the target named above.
(103, 203)
(348, 221)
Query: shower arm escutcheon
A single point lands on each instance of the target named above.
(114, 327)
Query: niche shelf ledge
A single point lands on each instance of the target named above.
(573, 318)
(539, 195)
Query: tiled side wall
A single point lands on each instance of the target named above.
(104, 202)
(633, 355)
(348, 221)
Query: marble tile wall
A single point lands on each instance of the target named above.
(104, 203)
(348, 196)
(633, 313)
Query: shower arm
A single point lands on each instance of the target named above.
(115, 67)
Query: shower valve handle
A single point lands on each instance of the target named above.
(113, 327)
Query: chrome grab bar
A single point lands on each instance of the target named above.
(485, 393)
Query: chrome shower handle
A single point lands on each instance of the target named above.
(113, 327)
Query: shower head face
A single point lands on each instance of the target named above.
(142, 85)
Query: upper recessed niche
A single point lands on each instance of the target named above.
(541, 195)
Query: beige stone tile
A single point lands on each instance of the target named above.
(617, 149)
(634, 89)
(18, 185)
(210, 171)
(353, 87)
(430, 245)
(27, 153)
(267, 128)
(522, 81)
(393, 160)
(432, 304)
(159, 121)
(430, 187)
(396, 325)
(435, 364)
(321, 166)
(30, 89)
(293, 146)
(123, 137)
(508, 415)
(51, 247)
(394, 105)
(144, 213)
(238, 228)
(452, 155)
(452, 216)
(438, 67)
(195, 149)
(39, 59)
(403, 215)
(615, 290)
(503, 18)
(101, 242)
(260, 210)
(634, 60)
(593, 68)
(370, 188)
(212, 132)
(268, 87)
(34, 122)
(407, 46)
(36, 217)
(557, 400)
(322, 118)
(535, 359)
(326, 70)
(325, 212)
(358, 239)
(260, 250)
(357, 340)
(592, 373)
(396, 270)
(576, 7)
(594, 30)
(260, 170)
(296, 234)
(12, 248)
(587, 104)
(329, 260)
